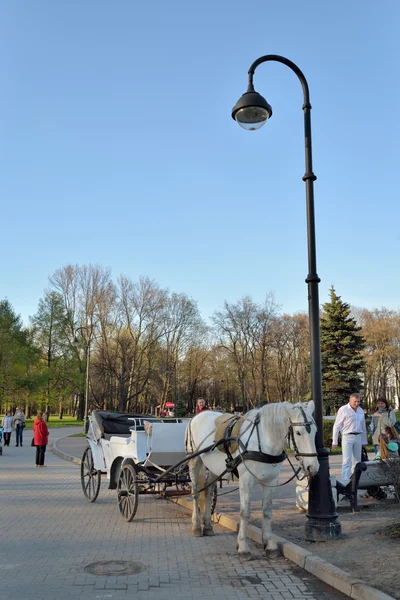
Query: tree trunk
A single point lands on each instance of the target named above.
(81, 406)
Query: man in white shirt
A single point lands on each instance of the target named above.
(350, 421)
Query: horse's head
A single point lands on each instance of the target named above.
(302, 430)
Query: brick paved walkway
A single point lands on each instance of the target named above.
(50, 533)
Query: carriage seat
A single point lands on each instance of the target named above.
(108, 436)
(106, 424)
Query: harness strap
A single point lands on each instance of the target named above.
(252, 455)
(228, 434)
(256, 423)
(232, 463)
(263, 457)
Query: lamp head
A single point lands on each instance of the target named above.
(76, 341)
(251, 111)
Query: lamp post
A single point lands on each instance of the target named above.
(251, 112)
(76, 340)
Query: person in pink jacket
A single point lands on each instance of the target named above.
(40, 438)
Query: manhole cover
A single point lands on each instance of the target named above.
(115, 567)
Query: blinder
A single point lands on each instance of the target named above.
(307, 424)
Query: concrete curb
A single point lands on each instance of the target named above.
(61, 454)
(337, 578)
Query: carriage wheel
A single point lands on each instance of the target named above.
(127, 492)
(90, 477)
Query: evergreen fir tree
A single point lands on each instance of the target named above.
(180, 408)
(341, 352)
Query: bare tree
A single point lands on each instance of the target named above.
(244, 330)
(141, 306)
(82, 289)
(291, 355)
(183, 329)
(381, 330)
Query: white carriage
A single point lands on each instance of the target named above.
(138, 454)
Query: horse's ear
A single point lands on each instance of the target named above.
(310, 407)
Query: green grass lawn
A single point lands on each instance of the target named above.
(55, 421)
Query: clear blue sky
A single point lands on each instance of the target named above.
(117, 147)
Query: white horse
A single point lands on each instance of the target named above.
(264, 434)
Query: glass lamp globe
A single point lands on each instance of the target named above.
(252, 118)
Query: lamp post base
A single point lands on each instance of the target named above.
(322, 522)
(322, 530)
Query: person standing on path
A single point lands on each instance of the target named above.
(350, 421)
(384, 416)
(40, 438)
(7, 424)
(19, 422)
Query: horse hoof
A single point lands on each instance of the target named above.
(208, 531)
(272, 553)
(245, 555)
(197, 533)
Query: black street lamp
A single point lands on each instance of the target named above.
(251, 112)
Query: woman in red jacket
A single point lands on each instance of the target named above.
(40, 438)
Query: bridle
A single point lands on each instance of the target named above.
(292, 442)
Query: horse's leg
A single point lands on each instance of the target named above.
(207, 525)
(202, 496)
(196, 474)
(246, 483)
(269, 545)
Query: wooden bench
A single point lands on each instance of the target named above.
(370, 476)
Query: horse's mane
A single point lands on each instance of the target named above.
(275, 418)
